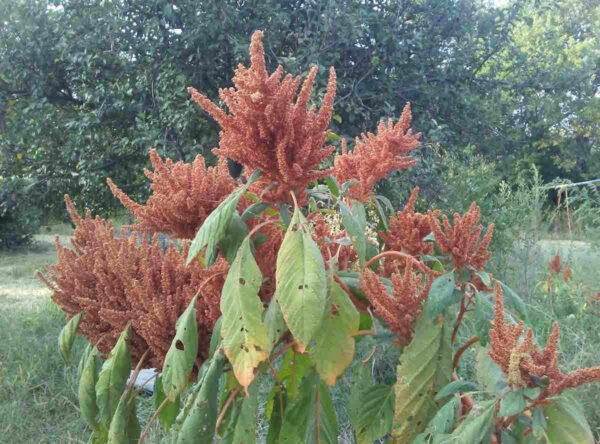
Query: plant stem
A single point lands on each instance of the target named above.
(136, 372)
(317, 413)
(226, 406)
(461, 314)
(461, 350)
(364, 333)
(281, 351)
(361, 306)
(420, 265)
(154, 416)
(280, 388)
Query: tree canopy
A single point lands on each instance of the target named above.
(88, 87)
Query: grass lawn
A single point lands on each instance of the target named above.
(38, 395)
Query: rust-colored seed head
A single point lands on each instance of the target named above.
(115, 281)
(400, 310)
(523, 363)
(183, 195)
(268, 128)
(567, 273)
(461, 239)
(375, 155)
(555, 265)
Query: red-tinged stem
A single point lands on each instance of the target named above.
(461, 314)
(364, 333)
(278, 386)
(461, 350)
(136, 372)
(420, 265)
(317, 413)
(294, 373)
(259, 226)
(226, 406)
(154, 416)
(360, 305)
(281, 351)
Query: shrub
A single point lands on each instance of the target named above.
(296, 294)
(19, 213)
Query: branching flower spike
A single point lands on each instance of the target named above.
(266, 129)
(375, 155)
(183, 195)
(461, 240)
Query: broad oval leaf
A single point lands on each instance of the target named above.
(113, 377)
(198, 418)
(355, 223)
(442, 423)
(334, 343)
(215, 226)
(125, 427)
(301, 283)
(67, 337)
(476, 427)
(182, 354)
(241, 428)
(300, 424)
(512, 403)
(456, 387)
(565, 422)
(86, 352)
(245, 339)
(424, 368)
(370, 407)
(441, 295)
(274, 322)
(87, 389)
(234, 236)
(169, 412)
(515, 301)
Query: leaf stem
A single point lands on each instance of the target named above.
(136, 372)
(461, 314)
(278, 386)
(361, 306)
(461, 350)
(420, 265)
(364, 333)
(154, 416)
(282, 350)
(259, 226)
(226, 406)
(317, 413)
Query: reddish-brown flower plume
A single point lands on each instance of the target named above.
(183, 195)
(375, 155)
(523, 363)
(266, 129)
(555, 265)
(406, 233)
(114, 281)
(461, 240)
(400, 310)
(567, 273)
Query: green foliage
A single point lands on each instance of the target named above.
(87, 389)
(245, 338)
(168, 412)
(355, 222)
(424, 368)
(181, 356)
(301, 281)
(19, 211)
(67, 337)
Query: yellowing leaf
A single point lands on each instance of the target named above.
(245, 339)
(334, 344)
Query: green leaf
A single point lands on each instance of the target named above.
(441, 295)
(274, 322)
(255, 210)
(485, 278)
(333, 185)
(67, 337)
(383, 219)
(512, 403)
(275, 417)
(113, 377)
(515, 301)
(484, 313)
(124, 427)
(352, 280)
(538, 423)
(442, 423)
(233, 238)
(245, 339)
(169, 412)
(215, 226)
(334, 343)
(83, 359)
(87, 389)
(292, 370)
(301, 285)
(198, 418)
(476, 427)
(566, 422)
(488, 372)
(241, 428)
(456, 387)
(424, 368)
(355, 222)
(182, 353)
(370, 407)
(300, 418)
(215, 338)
